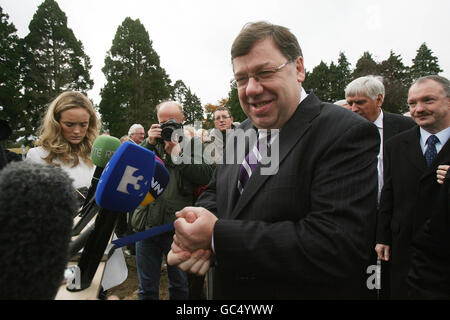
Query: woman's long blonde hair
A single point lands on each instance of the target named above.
(50, 135)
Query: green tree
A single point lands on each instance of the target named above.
(136, 83)
(11, 108)
(365, 66)
(396, 82)
(319, 82)
(234, 105)
(425, 63)
(341, 76)
(192, 106)
(55, 61)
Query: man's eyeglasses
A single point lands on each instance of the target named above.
(260, 76)
(221, 118)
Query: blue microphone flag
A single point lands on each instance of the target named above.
(126, 178)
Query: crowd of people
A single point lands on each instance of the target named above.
(355, 185)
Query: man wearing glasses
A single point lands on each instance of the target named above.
(223, 125)
(307, 231)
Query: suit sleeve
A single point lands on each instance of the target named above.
(334, 239)
(207, 199)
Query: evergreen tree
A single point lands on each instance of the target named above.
(365, 66)
(396, 83)
(192, 106)
(425, 63)
(178, 91)
(341, 77)
(11, 108)
(54, 62)
(234, 105)
(136, 83)
(319, 82)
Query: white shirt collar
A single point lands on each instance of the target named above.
(442, 135)
(303, 95)
(379, 121)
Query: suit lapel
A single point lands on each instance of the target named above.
(232, 172)
(411, 144)
(412, 150)
(289, 136)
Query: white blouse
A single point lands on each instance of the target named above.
(81, 174)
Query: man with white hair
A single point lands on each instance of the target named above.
(136, 133)
(365, 96)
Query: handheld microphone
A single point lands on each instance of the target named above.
(36, 206)
(103, 149)
(123, 185)
(159, 183)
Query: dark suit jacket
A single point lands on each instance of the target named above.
(306, 232)
(394, 124)
(409, 189)
(429, 275)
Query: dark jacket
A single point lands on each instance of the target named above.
(409, 189)
(179, 193)
(307, 231)
(429, 275)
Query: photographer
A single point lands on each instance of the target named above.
(165, 139)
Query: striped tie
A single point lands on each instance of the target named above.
(431, 151)
(252, 160)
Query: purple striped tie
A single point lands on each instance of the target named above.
(252, 160)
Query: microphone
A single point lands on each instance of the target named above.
(159, 183)
(103, 149)
(123, 185)
(36, 206)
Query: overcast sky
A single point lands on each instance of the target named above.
(193, 38)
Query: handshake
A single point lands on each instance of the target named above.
(191, 247)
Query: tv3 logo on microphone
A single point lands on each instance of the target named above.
(128, 178)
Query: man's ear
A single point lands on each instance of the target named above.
(380, 100)
(301, 74)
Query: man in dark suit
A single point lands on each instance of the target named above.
(410, 190)
(305, 230)
(429, 275)
(365, 96)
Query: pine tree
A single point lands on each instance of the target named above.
(136, 83)
(319, 82)
(365, 66)
(341, 77)
(425, 63)
(55, 61)
(396, 83)
(192, 106)
(11, 108)
(234, 105)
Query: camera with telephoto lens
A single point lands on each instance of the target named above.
(167, 130)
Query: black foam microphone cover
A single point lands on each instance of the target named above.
(36, 208)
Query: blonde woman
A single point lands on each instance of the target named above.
(66, 135)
